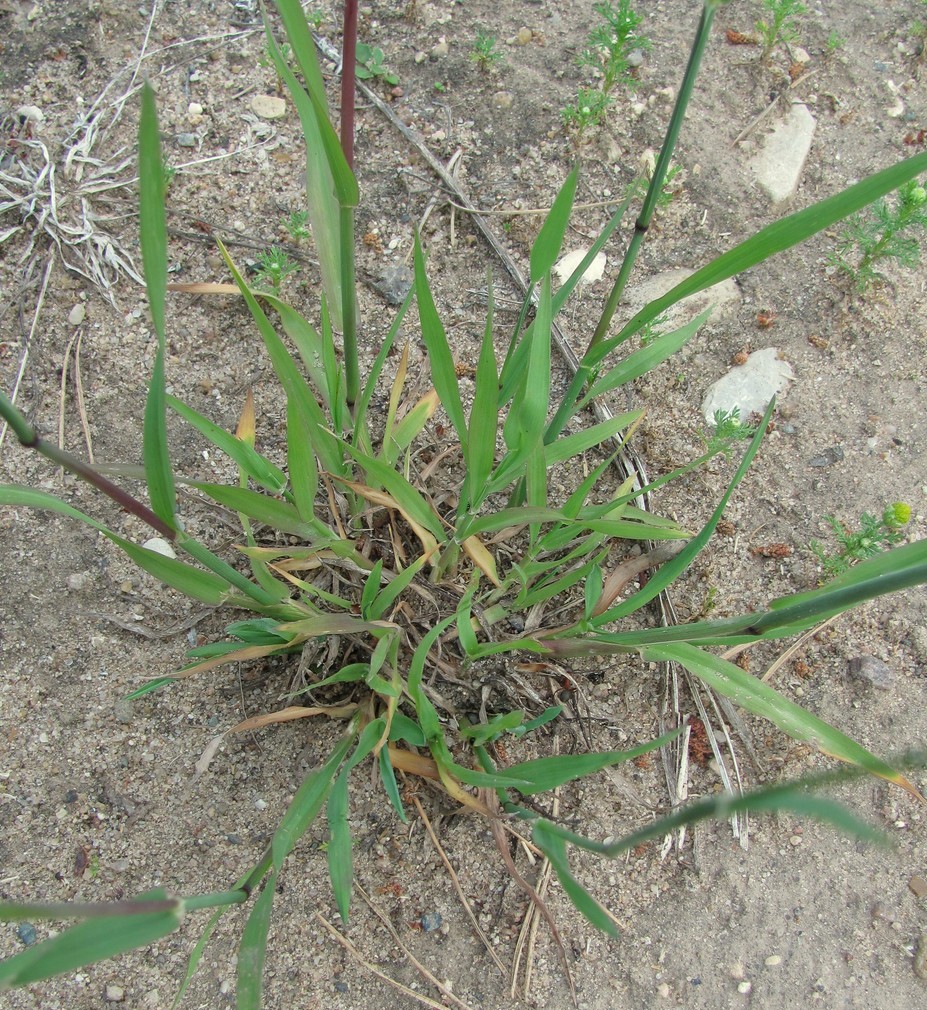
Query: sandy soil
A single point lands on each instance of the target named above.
(98, 795)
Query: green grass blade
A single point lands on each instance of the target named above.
(92, 941)
(775, 238)
(672, 569)
(274, 512)
(390, 786)
(752, 694)
(295, 386)
(152, 224)
(256, 466)
(547, 245)
(307, 802)
(390, 593)
(253, 948)
(571, 446)
(304, 473)
(308, 344)
(645, 359)
(554, 848)
(440, 358)
(340, 858)
(153, 238)
(484, 419)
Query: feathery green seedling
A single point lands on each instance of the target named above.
(873, 535)
(297, 226)
(883, 232)
(563, 562)
(835, 42)
(610, 44)
(273, 267)
(485, 53)
(587, 111)
(781, 24)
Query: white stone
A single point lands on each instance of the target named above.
(568, 263)
(779, 163)
(268, 106)
(76, 315)
(749, 387)
(723, 298)
(160, 546)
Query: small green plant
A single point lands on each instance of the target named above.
(887, 231)
(729, 429)
(610, 45)
(297, 226)
(440, 87)
(781, 24)
(168, 173)
(587, 111)
(835, 42)
(370, 64)
(485, 53)
(272, 269)
(873, 535)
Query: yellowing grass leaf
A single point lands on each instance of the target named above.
(429, 543)
(480, 556)
(293, 712)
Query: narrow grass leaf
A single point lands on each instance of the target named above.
(397, 585)
(273, 512)
(91, 941)
(371, 587)
(783, 234)
(672, 569)
(307, 341)
(547, 245)
(554, 848)
(440, 358)
(752, 694)
(256, 466)
(403, 434)
(253, 948)
(390, 786)
(579, 442)
(151, 217)
(484, 419)
(307, 802)
(304, 472)
(340, 859)
(645, 359)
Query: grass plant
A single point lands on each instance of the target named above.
(511, 568)
(485, 52)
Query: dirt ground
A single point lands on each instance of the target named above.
(98, 797)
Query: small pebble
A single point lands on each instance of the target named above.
(26, 933)
(737, 970)
(918, 886)
(440, 50)
(260, 804)
(76, 315)
(78, 581)
(114, 994)
(773, 959)
(663, 990)
(523, 36)
(795, 840)
(744, 987)
(834, 454)
(635, 57)
(186, 140)
(873, 671)
(194, 109)
(431, 921)
(503, 99)
(268, 106)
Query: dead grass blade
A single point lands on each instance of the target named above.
(294, 712)
(456, 882)
(419, 967)
(374, 970)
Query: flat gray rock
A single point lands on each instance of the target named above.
(723, 298)
(749, 387)
(778, 164)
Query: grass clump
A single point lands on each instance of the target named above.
(485, 52)
(384, 573)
